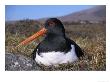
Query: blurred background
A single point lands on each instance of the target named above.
(85, 24)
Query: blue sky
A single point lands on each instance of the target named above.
(19, 12)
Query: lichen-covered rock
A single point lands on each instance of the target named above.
(19, 63)
(22, 63)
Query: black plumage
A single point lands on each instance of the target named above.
(56, 40)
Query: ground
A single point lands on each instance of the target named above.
(90, 37)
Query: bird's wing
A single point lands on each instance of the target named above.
(34, 52)
(78, 50)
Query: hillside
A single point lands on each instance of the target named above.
(95, 14)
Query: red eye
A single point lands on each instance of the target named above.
(52, 24)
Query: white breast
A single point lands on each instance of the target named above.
(55, 58)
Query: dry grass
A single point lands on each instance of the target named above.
(90, 37)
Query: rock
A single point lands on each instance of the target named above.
(20, 63)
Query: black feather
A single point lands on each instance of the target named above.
(56, 40)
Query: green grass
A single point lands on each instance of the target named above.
(90, 37)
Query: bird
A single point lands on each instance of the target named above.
(56, 48)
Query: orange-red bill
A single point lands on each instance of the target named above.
(33, 37)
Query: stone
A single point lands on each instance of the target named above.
(20, 63)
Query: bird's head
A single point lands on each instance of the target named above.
(54, 26)
(51, 26)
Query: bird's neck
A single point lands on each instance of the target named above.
(52, 35)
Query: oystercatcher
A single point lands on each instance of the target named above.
(56, 48)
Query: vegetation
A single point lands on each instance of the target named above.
(90, 37)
